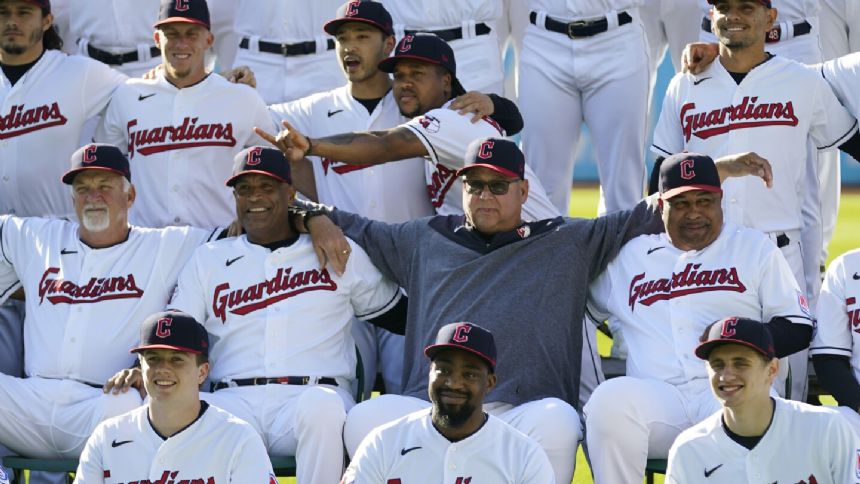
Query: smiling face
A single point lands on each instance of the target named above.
(490, 213)
(693, 219)
(183, 51)
(458, 383)
(420, 86)
(360, 47)
(21, 27)
(740, 375)
(172, 375)
(261, 207)
(740, 24)
(102, 200)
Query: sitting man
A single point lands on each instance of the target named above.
(455, 438)
(662, 291)
(282, 352)
(88, 286)
(755, 437)
(174, 435)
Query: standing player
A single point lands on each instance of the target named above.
(454, 440)
(672, 24)
(174, 435)
(283, 355)
(88, 286)
(835, 349)
(470, 28)
(181, 129)
(425, 83)
(280, 41)
(840, 27)
(755, 437)
(750, 100)
(663, 291)
(586, 61)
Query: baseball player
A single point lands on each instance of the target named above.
(280, 41)
(88, 285)
(777, 106)
(585, 61)
(175, 437)
(755, 437)
(662, 291)
(672, 24)
(425, 82)
(834, 348)
(470, 28)
(267, 286)
(454, 440)
(840, 27)
(178, 129)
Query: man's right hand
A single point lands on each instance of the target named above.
(125, 379)
(290, 141)
(743, 164)
(697, 56)
(329, 243)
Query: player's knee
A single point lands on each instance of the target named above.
(320, 407)
(607, 405)
(554, 424)
(363, 418)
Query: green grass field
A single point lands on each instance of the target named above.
(583, 203)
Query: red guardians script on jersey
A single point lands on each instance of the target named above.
(170, 477)
(285, 284)
(689, 281)
(339, 167)
(22, 121)
(189, 134)
(854, 321)
(60, 291)
(747, 114)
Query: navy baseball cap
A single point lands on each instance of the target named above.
(262, 161)
(743, 331)
(97, 156)
(467, 337)
(497, 154)
(426, 48)
(173, 330)
(766, 3)
(46, 4)
(688, 171)
(371, 13)
(187, 11)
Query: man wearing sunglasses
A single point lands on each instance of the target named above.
(527, 281)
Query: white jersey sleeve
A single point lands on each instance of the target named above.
(99, 85)
(831, 124)
(189, 295)
(668, 133)
(843, 74)
(91, 469)
(371, 294)
(599, 293)
(837, 311)
(446, 134)
(9, 282)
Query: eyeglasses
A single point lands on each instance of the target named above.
(497, 187)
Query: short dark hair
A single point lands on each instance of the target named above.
(201, 358)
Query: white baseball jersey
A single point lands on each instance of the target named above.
(431, 14)
(180, 144)
(843, 75)
(84, 305)
(410, 450)
(41, 119)
(772, 112)
(216, 448)
(275, 313)
(663, 298)
(838, 311)
(446, 135)
(392, 192)
(840, 27)
(581, 9)
(804, 444)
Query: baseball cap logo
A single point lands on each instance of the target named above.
(89, 154)
(687, 172)
(729, 328)
(254, 156)
(181, 5)
(352, 8)
(406, 43)
(461, 333)
(485, 151)
(162, 328)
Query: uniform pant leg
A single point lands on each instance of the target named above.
(629, 420)
(364, 335)
(553, 424)
(372, 413)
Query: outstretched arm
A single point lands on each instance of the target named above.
(368, 148)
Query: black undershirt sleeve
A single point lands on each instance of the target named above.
(835, 375)
(852, 146)
(393, 320)
(507, 114)
(654, 181)
(788, 337)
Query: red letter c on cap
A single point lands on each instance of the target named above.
(461, 334)
(484, 151)
(90, 154)
(181, 5)
(406, 43)
(729, 328)
(352, 8)
(254, 156)
(687, 172)
(162, 328)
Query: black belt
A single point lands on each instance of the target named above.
(782, 240)
(580, 28)
(773, 35)
(452, 34)
(118, 59)
(262, 380)
(287, 50)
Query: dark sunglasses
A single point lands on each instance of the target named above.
(497, 187)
